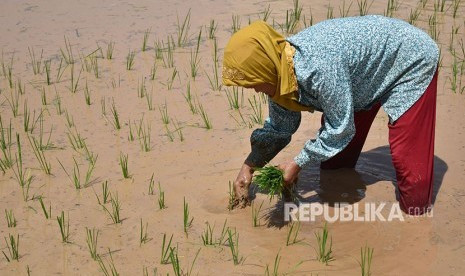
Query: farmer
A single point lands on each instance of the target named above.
(347, 69)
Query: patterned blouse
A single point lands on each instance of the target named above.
(343, 66)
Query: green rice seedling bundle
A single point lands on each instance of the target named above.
(271, 180)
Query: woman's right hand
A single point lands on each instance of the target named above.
(241, 186)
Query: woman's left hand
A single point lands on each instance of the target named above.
(291, 171)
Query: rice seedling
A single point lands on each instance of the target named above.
(90, 156)
(57, 103)
(168, 60)
(111, 269)
(164, 113)
(212, 29)
(433, 26)
(392, 7)
(47, 213)
(233, 243)
(174, 260)
(149, 100)
(183, 29)
(116, 124)
(187, 219)
(143, 238)
(76, 177)
(257, 116)
(236, 23)
(330, 12)
(64, 227)
(292, 234)
(44, 143)
(455, 7)
(67, 54)
(414, 15)
(75, 139)
(207, 235)
(158, 48)
(94, 66)
(145, 40)
(178, 130)
(144, 136)
(115, 209)
(20, 88)
(151, 185)
(233, 97)
(92, 240)
(195, 60)
(366, 255)
(36, 62)
(10, 218)
(453, 33)
(161, 198)
(204, 116)
(324, 252)
(22, 176)
(59, 71)
(130, 60)
(169, 134)
(141, 89)
(105, 194)
(165, 249)
(344, 11)
(364, 6)
(13, 102)
(12, 244)
(214, 80)
(28, 124)
(145, 271)
(170, 81)
(5, 145)
(7, 70)
(110, 49)
(270, 179)
(189, 99)
(256, 214)
(43, 96)
(74, 80)
(277, 260)
(153, 70)
(265, 14)
(123, 162)
(40, 155)
(231, 196)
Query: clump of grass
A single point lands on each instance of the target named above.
(64, 227)
(366, 254)
(12, 244)
(270, 179)
(324, 252)
(91, 240)
(10, 218)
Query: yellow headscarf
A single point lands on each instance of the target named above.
(258, 54)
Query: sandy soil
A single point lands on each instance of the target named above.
(188, 160)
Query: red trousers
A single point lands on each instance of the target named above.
(411, 139)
